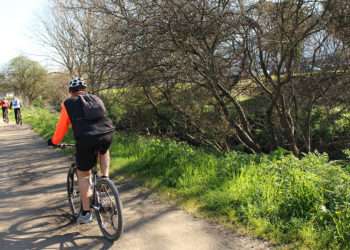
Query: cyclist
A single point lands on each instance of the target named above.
(5, 106)
(16, 105)
(93, 132)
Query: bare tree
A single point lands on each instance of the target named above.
(219, 73)
(76, 34)
(197, 43)
(282, 65)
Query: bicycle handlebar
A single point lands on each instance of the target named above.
(65, 145)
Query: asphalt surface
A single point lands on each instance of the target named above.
(34, 212)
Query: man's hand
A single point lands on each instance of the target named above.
(49, 143)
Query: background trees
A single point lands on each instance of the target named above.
(256, 75)
(29, 80)
(26, 78)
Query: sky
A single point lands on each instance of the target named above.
(19, 20)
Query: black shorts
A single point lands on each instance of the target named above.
(89, 147)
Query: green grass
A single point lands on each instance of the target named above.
(302, 203)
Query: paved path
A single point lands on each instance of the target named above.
(34, 212)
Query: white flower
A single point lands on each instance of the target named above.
(324, 209)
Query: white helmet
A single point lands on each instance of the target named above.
(77, 83)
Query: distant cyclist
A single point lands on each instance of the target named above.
(93, 132)
(16, 105)
(5, 106)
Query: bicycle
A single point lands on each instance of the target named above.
(18, 116)
(108, 213)
(5, 115)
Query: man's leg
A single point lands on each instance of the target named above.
(16, 115)
(6, 115)
(104, 163)
(84, 188)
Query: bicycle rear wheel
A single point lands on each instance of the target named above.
(109, 216)
(19, 121)
(73, 191)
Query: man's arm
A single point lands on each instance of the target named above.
(62, 127)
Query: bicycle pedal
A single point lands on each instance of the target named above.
(96, 207)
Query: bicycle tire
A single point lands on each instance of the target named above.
(72, 195)
(20, 118)
(19, 122)
(117, 211)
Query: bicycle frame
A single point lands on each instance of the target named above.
(94, 203)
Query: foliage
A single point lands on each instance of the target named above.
(131, 112)
(43, 122)
(26, 78)
(56, 90)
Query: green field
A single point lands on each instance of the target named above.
(294, 203)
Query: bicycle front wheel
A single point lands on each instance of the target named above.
(73, 191)
(109, 215)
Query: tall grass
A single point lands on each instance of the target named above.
(304, 203)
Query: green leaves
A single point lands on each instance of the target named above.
(26, 77)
